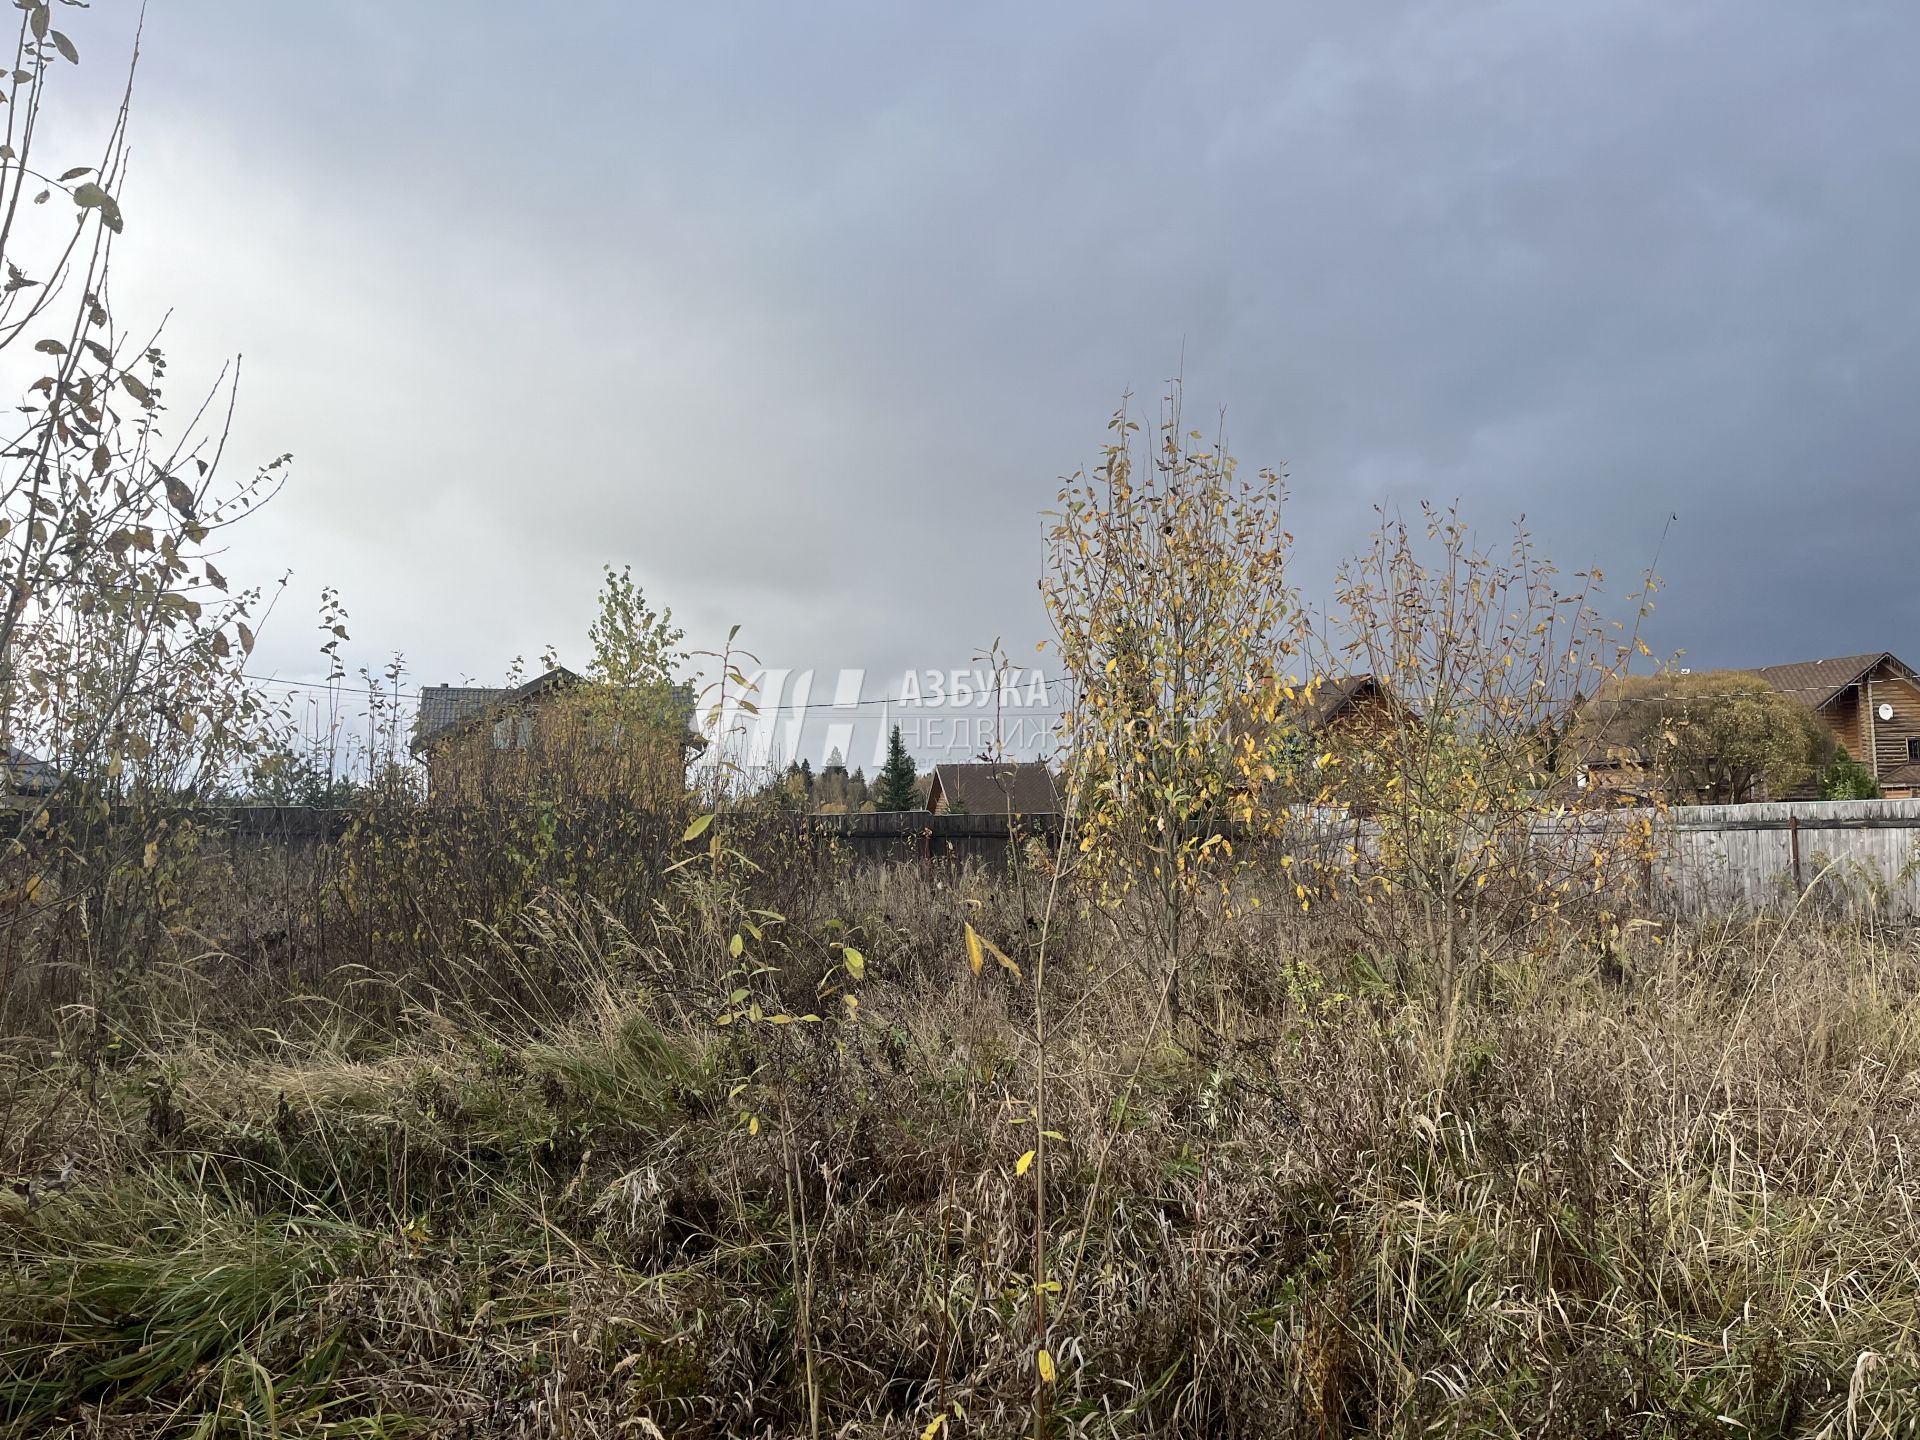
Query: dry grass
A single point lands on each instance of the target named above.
(1659, 1189)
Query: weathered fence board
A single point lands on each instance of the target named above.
(1751, 857)
(1712, 858)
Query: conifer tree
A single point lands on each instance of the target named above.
(894, 788)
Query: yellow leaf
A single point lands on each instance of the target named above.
(152, 856)
(1024, 1163)
(856, 962)
(975, 956)
(993, 950)
(697, 828)
(934, 1427)
(735, 946)
(1045, 1362)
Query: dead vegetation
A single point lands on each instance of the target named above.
(1662, 1186)
(555, 1116)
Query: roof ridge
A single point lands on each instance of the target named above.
(1830, 659)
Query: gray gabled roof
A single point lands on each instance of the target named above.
(447, 708)
(29, 774)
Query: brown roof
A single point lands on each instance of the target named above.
(1815, 683)
(1334, 694)
(1903, 776)
(1014, 787)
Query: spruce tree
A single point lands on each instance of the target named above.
(894, 789)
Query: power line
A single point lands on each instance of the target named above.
(974, 701)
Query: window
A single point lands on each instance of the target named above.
(1913, 749)
(503, 734)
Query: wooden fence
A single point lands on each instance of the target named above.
(897, 837)
(1712, 858)
(1719, 858)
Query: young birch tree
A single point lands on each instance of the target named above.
(120, 639)
(1166, 585)
(1481, 658)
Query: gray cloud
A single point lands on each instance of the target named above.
(803, 310)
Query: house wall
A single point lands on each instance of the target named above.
(1888, 686)
(1363, 721)
(1366, 738)
(1622, 774)
(1846, 719)
(570, 745)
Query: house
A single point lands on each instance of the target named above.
(28, 776)
(555, 733)
(1356, 706)
(1013, 787)
(1870, 704)
(1331, 738)
(1328, 707)
(1364, 726)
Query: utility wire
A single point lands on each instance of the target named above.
(947, 702)
(910, 702)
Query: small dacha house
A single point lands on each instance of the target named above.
(1356, 724)
(558, 735)
(27, 777)
(1014, 787)
(1354, 707)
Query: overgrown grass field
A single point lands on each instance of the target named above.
(1657, 1182)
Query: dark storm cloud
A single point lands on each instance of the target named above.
(803, 310)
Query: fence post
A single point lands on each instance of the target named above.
(1793, 848)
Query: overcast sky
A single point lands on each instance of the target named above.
(803, 310)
